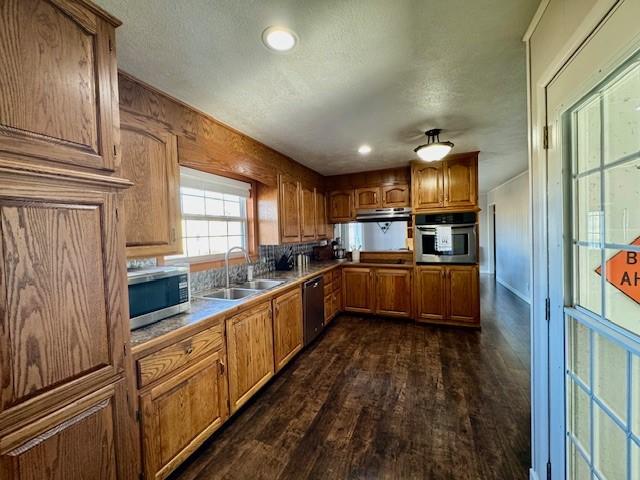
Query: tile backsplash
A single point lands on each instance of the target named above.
(215, 278)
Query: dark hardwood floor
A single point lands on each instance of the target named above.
(383, 399)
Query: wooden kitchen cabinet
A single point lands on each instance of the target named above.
(395, 196)
(368, 197)
(427, 186)
(307, 213)
(250, 353)
(322, 226)
(287, 327)
(461, 182)
(357, 289)
(58, 101)
(179, 414)
(289, 210)
(448, 294)
(393, 292)
(152, 205)
(341, 208)
(447, 185)
(463, 294)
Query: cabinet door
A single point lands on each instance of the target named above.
(463, 294)
(152, 205)
(461, 182)
(394, 196)
(431, 293)
(179, 414)
(357, 286)
(322, 229)
(368, 198)
(58, 75)
(341, 206)
(75, 441)
(249, 353)
(289, 210)
(427, 187)
(307, 213)
(328, 308)
(287, 327)
(393, 287)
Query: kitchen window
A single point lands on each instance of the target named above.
(214, 215)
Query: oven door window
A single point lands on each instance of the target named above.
(151, 296)
(460, 245)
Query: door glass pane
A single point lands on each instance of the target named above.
(588, 136)
(588, 215)
(610, 375)
(588, 282)
(622, 203)
(609, 446)
(621, 99)
(622, 289)
(635, 461)
(580, 351)
(578, 417)
(577, 466)
(635, 402)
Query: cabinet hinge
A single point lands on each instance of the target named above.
(115, 151)
(545, 137)
(547, 309)
(221, 368)
(110, 46)
(549, 470)
(124, 347)
(138, 415)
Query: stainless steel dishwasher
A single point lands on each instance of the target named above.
(313, 298)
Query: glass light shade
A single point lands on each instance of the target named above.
(279, 39)
(434, 151)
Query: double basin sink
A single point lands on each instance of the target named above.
(242, 291)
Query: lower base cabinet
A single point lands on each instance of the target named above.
(287, 327)
(448, 294)
(179, 414)
(332, 295)
(250, 353)
(385, 291)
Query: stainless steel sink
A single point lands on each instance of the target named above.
(231, 294)
(261, 284)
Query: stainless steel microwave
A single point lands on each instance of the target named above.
(157, 293)
(464, 241)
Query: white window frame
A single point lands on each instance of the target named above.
(214, 183)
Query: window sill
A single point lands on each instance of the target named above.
(212, 262)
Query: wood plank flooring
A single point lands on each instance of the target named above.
(383, 399)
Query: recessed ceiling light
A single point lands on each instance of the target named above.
(279, 39)
(364, 149)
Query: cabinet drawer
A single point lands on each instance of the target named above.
(337, 275)
(328, 307)
(177, 355)
(327, 278)
(328, 288)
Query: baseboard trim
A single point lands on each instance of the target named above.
(533, 475)
(517, 293)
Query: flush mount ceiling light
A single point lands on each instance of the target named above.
(434, 149)
(364, 149)
(279, 39)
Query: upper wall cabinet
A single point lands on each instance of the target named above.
(152, 208)
(394, 196)
(341, 206)
(291, 212)
(368, 197)
(450, 184)
(58, 97)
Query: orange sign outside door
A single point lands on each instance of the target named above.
(623, 272)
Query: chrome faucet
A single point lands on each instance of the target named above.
(226, 260)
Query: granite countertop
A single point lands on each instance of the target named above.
(205, 312)
(203, 309)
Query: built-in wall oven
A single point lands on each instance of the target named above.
(157, 293)
(463, 245)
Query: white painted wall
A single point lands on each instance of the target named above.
(483, 232)
(513, 245)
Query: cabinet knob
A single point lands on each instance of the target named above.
(189, 350)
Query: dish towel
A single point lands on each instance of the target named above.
(444, 239)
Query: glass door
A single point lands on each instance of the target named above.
(593, 111)
(603, 321)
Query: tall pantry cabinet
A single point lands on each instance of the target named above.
(66, 401)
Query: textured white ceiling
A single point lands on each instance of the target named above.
(365, 71)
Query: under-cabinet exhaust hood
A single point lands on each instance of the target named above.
(384, 215)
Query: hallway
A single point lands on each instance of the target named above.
(378, 398)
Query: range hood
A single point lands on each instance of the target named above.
(384, 215)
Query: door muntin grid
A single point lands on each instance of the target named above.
(603, 323)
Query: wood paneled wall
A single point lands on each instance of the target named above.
(205, 143)
(389, 176)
